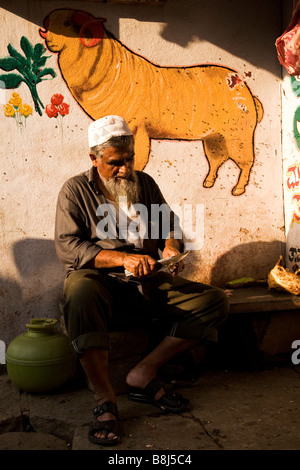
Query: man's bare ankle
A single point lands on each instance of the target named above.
(100, 399)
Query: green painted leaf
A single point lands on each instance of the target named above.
(47, 71)
(11, 80)
(14, 53)
(9, 63)
(26, 47)
(42, 61)
(38, 51)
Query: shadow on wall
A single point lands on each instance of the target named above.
(224, 27)
(39, 290)
(247, 260)
(34, 255)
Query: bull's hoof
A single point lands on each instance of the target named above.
(238, 191)
(208, 183)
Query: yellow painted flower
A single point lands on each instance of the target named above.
(9, 110)
(25, 110)
(15, 99)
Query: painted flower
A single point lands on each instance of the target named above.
(51, 110)
(9, 110)
(57, 106)
(25, 110)
(63, 109)
(57, 99)
(18, 110)
(15, 99)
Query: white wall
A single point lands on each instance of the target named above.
(243, 235)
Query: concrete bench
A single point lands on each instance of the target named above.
(261, 327)
(261, 299)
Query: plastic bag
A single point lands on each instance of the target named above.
(288, 44)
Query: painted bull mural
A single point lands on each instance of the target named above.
(203, 102)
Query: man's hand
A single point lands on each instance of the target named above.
(140, 265)
(172, 248)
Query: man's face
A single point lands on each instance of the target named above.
(116, 172)
(116, 163)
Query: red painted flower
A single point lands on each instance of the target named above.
(57, 106)
(63, 109)
(57, 99)
(51, 110)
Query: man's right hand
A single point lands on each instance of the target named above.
(140, 265)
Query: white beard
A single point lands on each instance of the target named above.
(123, 188)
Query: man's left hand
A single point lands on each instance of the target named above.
(172, 248)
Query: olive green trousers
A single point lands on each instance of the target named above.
(96, 303)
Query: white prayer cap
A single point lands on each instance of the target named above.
(103, 129)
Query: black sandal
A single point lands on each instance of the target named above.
(171, 402)
(108, 426)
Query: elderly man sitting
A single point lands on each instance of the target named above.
(95, 241)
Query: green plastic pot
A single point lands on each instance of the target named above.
(41, 359)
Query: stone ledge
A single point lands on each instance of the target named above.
(261, 299)
(260, 328)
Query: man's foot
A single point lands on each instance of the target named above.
(105, 429)
(140, 376)
(154, 393)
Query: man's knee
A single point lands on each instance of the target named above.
(87, 302)
(211, 305)
(81, 291)
(84, 287)
(86, 310)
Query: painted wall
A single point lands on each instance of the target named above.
(291, 160)
(200, 87)
(291, 168)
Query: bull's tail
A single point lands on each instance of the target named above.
(259, 109)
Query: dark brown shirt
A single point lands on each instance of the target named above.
(76, 238)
